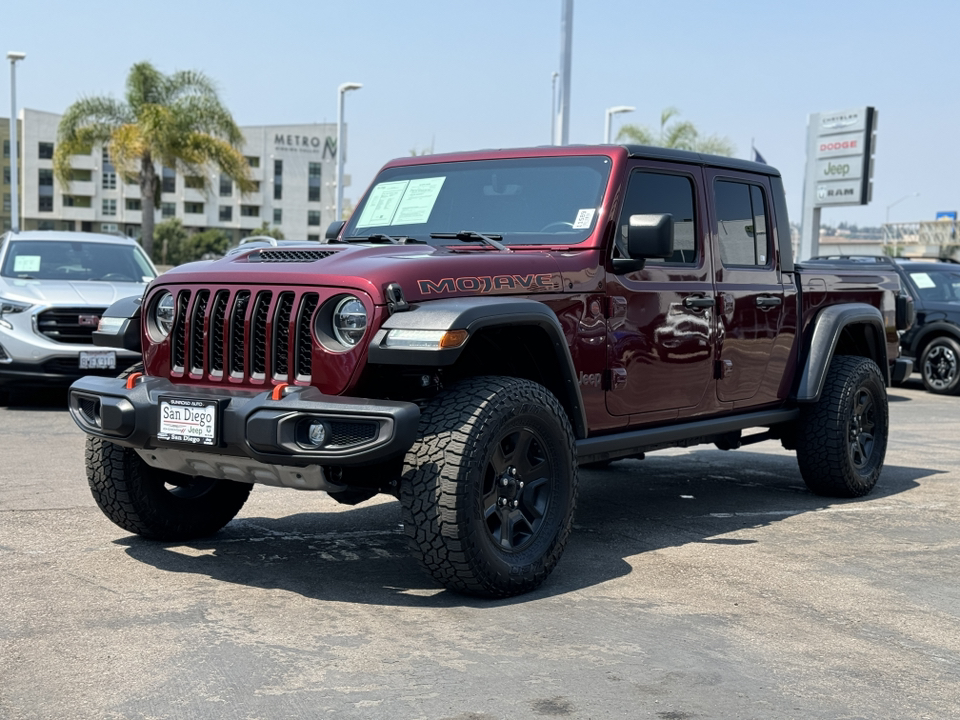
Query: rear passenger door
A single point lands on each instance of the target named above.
(750, 293)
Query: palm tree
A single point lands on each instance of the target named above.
(176, 120)
(680, 135)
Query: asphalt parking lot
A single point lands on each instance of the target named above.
(698, 584)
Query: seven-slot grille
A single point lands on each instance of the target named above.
(244, 334)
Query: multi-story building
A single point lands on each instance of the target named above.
(294, 167)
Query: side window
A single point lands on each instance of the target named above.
(741, 224)
(652, 193)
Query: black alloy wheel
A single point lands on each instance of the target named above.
(516, 489)
(862, 428)
(940, 366)
(489, 488)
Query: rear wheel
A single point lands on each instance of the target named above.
(940, 366)
(842, 438)
(489, 489)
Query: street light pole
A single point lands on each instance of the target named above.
(13, 56)
(566, 49)
(341, 91)
(553, 108)
(609, 119)
(897, 202)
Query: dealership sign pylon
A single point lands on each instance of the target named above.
(839, 170)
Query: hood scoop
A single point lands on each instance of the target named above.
(274, 255)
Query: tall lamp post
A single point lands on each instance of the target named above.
(897, 202)
(609, 119)
(13, 56)
(341, 91)
(553, 108)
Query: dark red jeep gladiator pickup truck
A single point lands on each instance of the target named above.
(484, 324)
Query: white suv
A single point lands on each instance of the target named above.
(54, 286)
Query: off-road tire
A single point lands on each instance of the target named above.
(470, 437)
(940, 366)
(158, 504)
(842, 438)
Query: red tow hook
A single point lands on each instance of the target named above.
(277, 393)
(131, 379)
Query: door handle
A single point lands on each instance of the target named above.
(768, 302)
(698, 301)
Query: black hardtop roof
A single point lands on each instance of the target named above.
(659, 153)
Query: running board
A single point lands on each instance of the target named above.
(611, 447)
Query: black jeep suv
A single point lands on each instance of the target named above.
(934, 339)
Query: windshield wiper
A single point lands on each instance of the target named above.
(468, 235)
(382, 237)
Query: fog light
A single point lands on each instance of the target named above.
(317, 433)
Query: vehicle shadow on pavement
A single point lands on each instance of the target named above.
(633, 507)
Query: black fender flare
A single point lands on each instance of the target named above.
(828, 326)
(938, 327)
(473, 314)
(126, 334)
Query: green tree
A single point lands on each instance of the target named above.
(170, 241)
(175, 120)
(681, 135)
(266, 230)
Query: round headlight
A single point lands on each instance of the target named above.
(349, 321)
(164, 313)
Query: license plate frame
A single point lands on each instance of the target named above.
(193, 421)
(98, 360)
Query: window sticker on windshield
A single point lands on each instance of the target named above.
(584, 218)
(382, 203)
(418, 201)
(26, 263)
(921, 280)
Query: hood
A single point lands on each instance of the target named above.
(424, 272)
(67, 292)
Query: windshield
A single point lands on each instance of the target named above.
(937, 285)
(529, 201)
(76, 260)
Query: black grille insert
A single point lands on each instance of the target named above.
(304, 339)
(179, 353)
(197, 330)
(258, 334)
(237, 344)
(217, 317)
(70, 325)
(281, 336)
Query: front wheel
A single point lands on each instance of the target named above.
(158, 504)
(842, 438)
(489, 489)
(940, 366)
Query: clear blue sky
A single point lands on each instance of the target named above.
(466, 75)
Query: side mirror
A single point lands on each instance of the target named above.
(648, 236)
(333, 230)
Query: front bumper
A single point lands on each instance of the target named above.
(252, 426)
(57, 371)
(901, 370)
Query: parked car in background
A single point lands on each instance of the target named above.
(54, 286)
(934, 339)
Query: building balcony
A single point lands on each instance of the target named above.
(83, 162)
(248, 223)
(194, 195)
(84, 188)
(77, 213)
